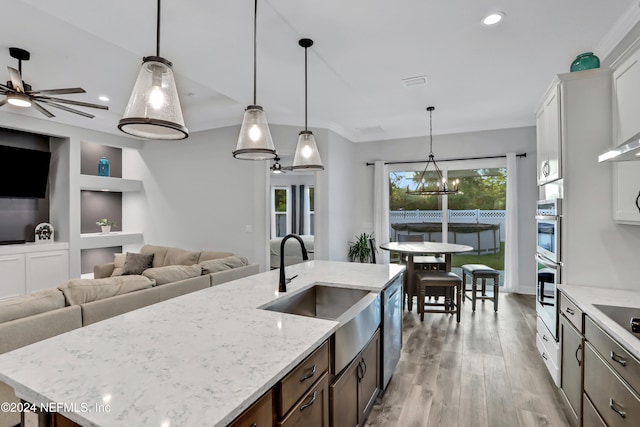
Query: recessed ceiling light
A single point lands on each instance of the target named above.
(415, 81)
(103, 98)
(493, 18)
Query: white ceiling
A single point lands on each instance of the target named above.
(479, 77)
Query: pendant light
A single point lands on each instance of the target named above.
(154, 111)
(254, 142)
(307, 156)
(439, 187)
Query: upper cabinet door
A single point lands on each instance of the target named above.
(626, 99)
(549, 139)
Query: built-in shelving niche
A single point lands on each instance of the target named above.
(101, 197)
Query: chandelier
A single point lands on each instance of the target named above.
(440, 186)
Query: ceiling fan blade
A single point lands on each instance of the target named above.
(4, 101)
(4, 87)
(64, 91)
(72, 102)
(16, 79)
(62, 107)
(43, 110)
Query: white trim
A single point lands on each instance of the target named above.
(618, 31)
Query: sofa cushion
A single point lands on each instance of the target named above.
(80, 291)
(208, 255)
(118, 264)
(28, 305)
(172, 273)
(136, 263)
(166, 255)
(226, 263)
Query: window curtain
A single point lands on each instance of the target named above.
(381, 209)
(511, 269)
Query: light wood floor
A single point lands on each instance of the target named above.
(485, 371)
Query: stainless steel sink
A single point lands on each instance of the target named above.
(356, 311)
(627, 317)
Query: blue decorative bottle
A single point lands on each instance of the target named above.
(103, 167)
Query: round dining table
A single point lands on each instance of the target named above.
(412, 249)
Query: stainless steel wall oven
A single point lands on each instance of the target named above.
(548, 260)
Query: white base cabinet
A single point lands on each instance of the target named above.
(31, 267)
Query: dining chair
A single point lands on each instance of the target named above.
(372, 245)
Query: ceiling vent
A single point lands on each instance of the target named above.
(415, 81)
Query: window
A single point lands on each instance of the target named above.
(280, 211)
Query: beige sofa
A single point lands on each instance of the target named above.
(28, 319)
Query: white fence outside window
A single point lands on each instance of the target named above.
(468, 216)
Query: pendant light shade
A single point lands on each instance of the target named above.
(307, 156)
(254, 141)
(154, 111)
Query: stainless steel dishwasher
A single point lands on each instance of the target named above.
(391, 329)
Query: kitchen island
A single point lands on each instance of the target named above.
(199, 359)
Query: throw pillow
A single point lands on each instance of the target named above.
(136, 263)
(80, 291)
(172, 273)
(118, 264)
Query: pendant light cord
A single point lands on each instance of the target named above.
(305, 88)
(158, 32)
(430, 130)
(255, 68)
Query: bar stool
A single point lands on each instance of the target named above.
(428, 281)
(480, 271)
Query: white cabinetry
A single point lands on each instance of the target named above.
(30, 267)
(626, 99)
(549, 136)
(46, 269)
(12, 275)
(626, 126)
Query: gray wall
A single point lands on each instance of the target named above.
(95, 205)
(91, 153)
(19, 216)
(91, 257)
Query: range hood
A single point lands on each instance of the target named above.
(624, 152)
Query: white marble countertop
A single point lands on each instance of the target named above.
(585, 297)
(198, 359)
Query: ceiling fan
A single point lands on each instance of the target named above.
(20, 94)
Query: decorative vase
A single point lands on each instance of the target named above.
(106, 228)
(585, 61)
(103, 167)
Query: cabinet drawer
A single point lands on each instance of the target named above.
(313, 409)
(590, 417)
(620, 360)
(615, 402)
(550, 345)
(260, 414)
(552, 366)
(571, 312)
(298, 381)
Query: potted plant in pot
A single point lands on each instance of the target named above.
(106, 224)
(360, 250)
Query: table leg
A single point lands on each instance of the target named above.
(411, 282)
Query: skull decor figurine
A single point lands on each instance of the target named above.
(44, 233)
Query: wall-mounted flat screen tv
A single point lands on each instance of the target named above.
(23, 173)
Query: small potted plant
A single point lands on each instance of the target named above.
(360, 250)
(106, 224)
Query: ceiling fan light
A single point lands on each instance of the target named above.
(154, 111)
(254, 141)
(307, 156)
(19, 99)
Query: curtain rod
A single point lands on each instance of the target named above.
(447, 160)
